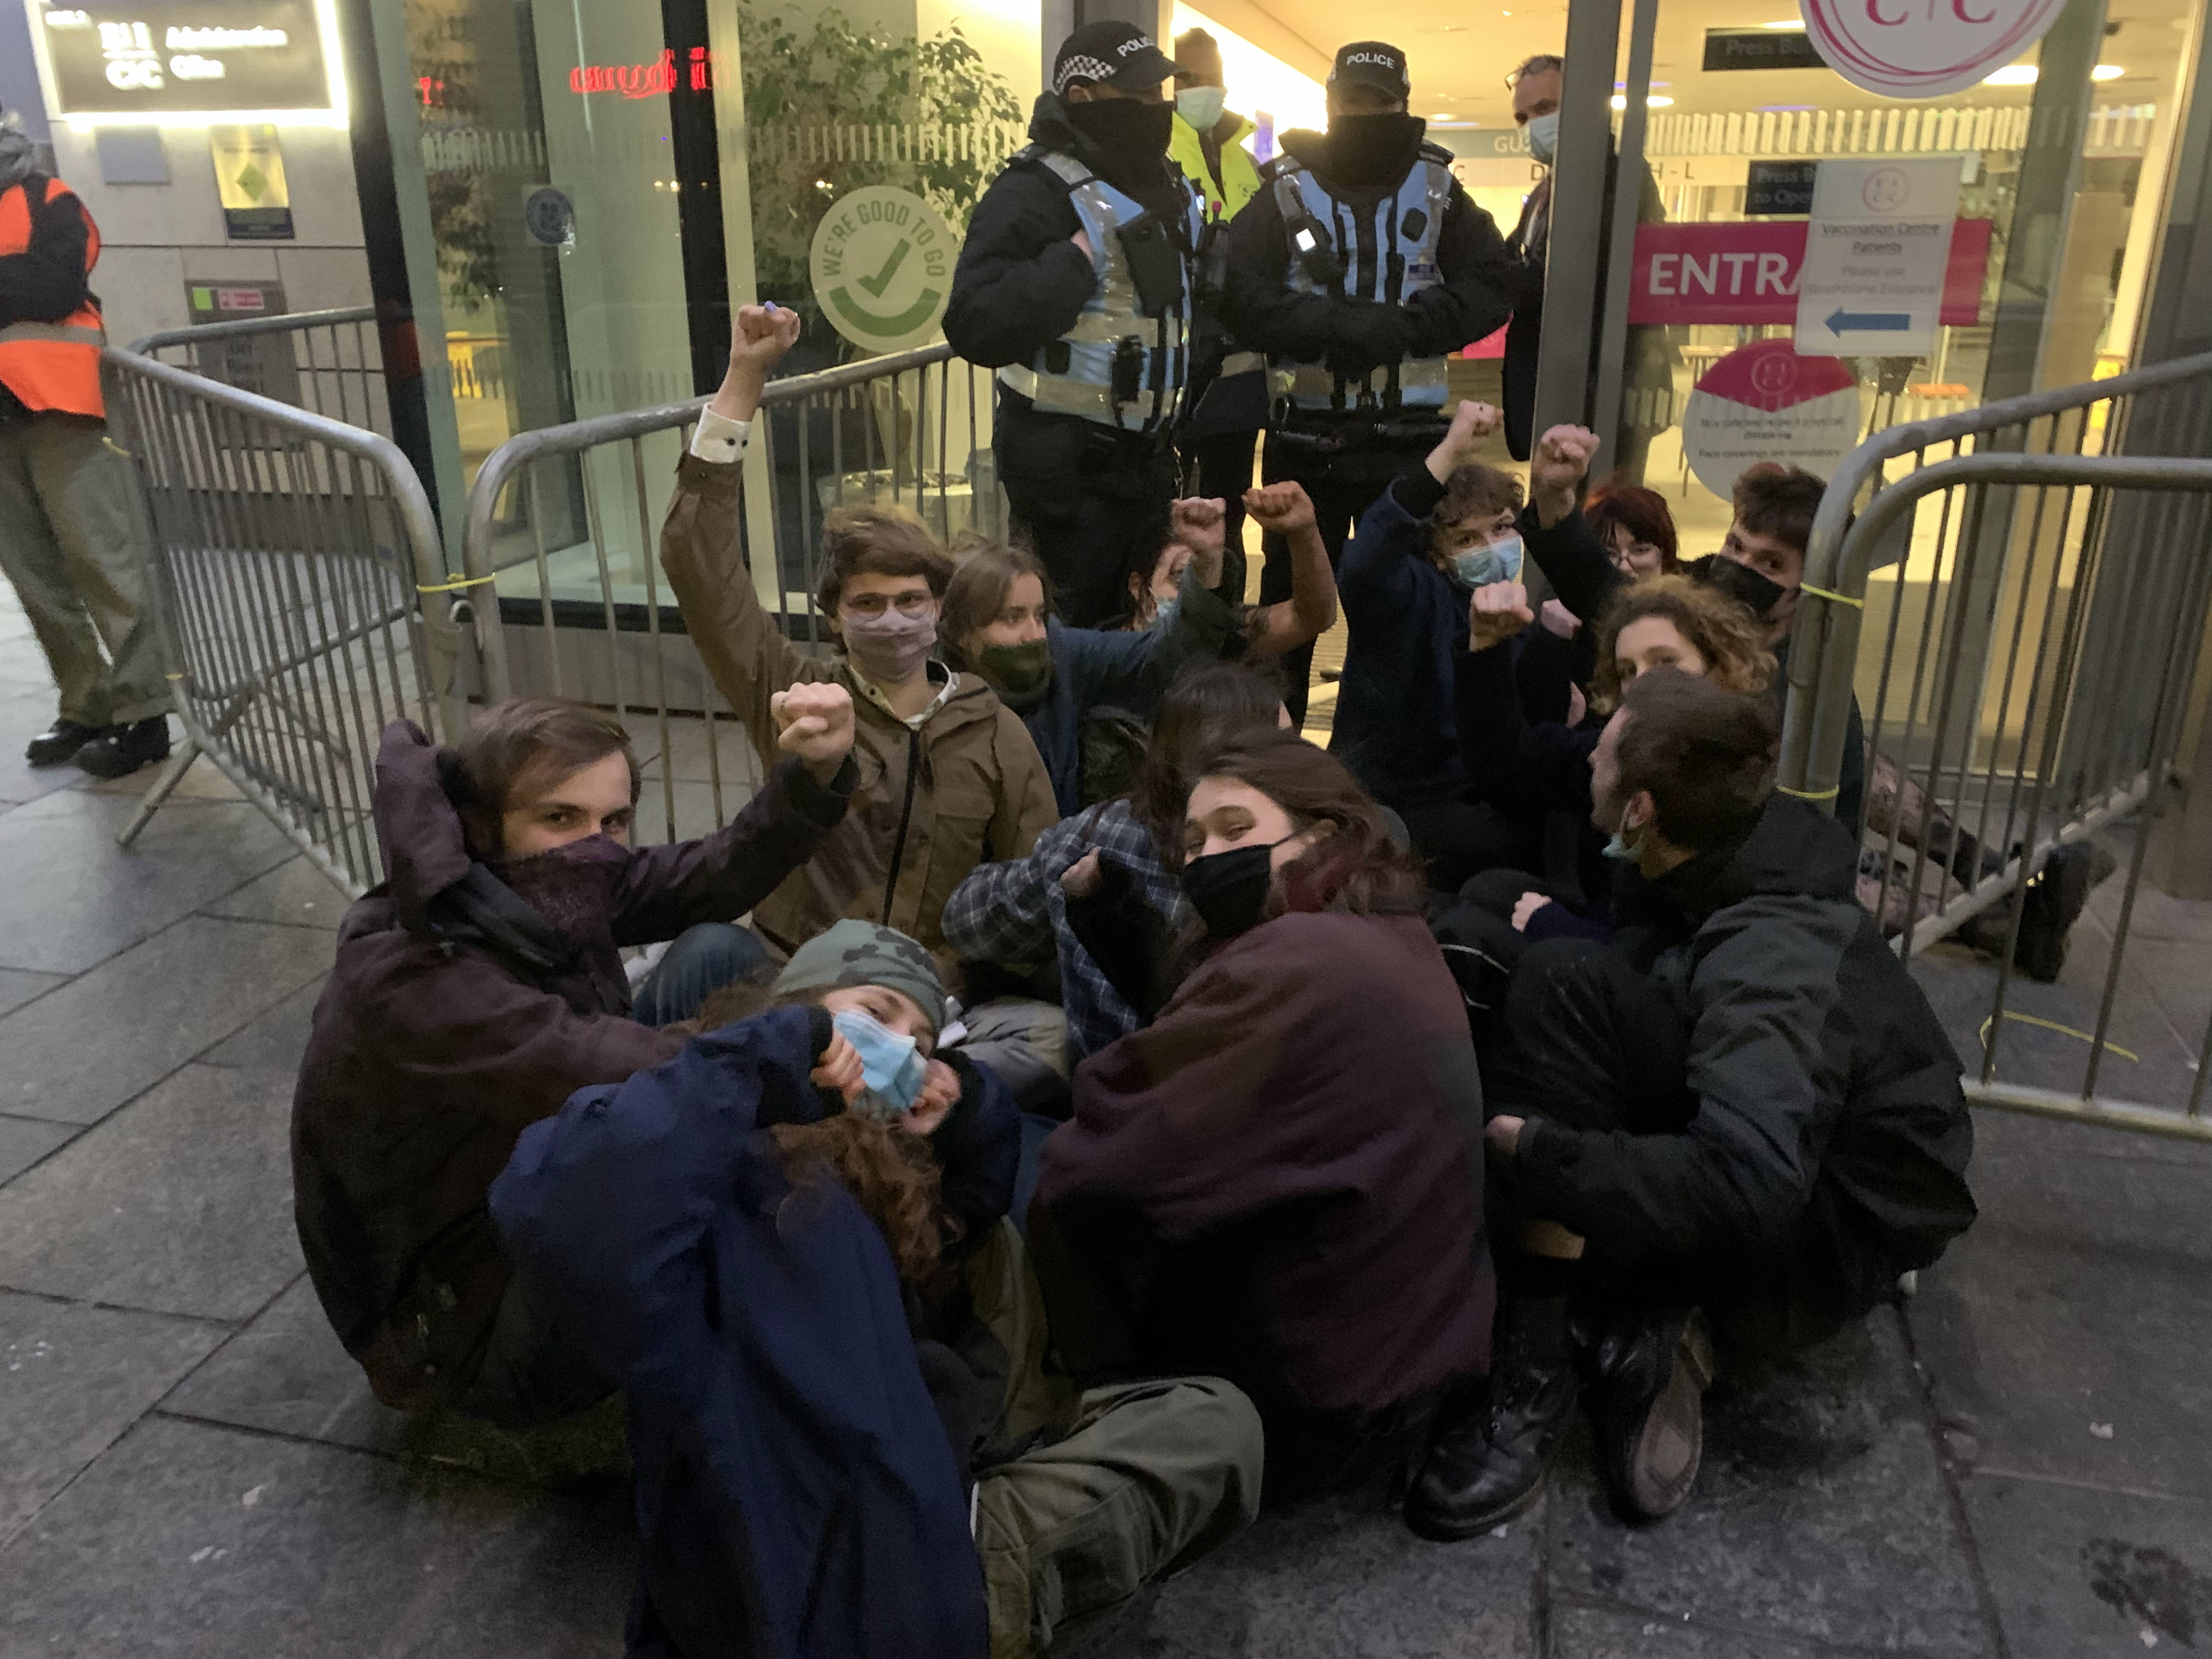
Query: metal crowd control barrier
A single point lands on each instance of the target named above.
(2023, 611)
(561, 554)
(327, 362)
(289, 553)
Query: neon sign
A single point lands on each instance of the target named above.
(650, 79)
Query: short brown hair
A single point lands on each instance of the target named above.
(524, 744)
(978, 591)
(1207, 707)
(877, 541)
(1726, 636)
(1705, 754)
(1778, 501)
(1357, 867)
(1472, 492)
(1642, 513)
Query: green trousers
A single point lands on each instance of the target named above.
(75, 544)
(1141, 1479)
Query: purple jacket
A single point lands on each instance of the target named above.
(431, 1052)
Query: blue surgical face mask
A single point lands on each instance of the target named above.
(1497, 562)
(1163, 615)
(1201, 106)
(891, 1065)
(1543, 136)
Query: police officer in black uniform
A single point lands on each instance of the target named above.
(1077, 283)
(1359, 267)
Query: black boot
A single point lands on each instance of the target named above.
(1650, 1373)
(122, 749)
(1488, 1463)
(2051, 904)
(59, 742)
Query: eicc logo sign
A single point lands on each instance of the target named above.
(1924, 48)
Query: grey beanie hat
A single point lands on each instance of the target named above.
(855, 952)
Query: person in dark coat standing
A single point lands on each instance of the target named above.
(1739, 1121)
(479, 987)
(1279, 1181)
(1077, 282)
(1359, 269)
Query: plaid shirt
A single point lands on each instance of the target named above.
(1015, 914)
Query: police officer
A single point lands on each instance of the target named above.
(1227, 398)
(74, 539)
(1359, 268)
(1077, 282)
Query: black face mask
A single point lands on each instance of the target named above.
(1756, 593)
(1134, 136)
(1373, 150)
(1229, 890)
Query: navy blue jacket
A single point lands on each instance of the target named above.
(796, 1497)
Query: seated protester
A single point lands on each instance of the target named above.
(1741, 1120)
(1635, 527)
(1098, 893)
(1264, 631)
(479, 987)
(1279, 1180)
(999, 626)
(1405, 578)
(948, 777)
(788, 1247)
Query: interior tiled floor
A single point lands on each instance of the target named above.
(2017, 1462)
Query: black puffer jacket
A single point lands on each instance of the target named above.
(1827, 1094)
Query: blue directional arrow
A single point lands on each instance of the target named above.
(1841, 321)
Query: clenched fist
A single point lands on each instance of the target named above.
(1285, 508)
(1563, 455)
(1496, 613)
(814, 721)
(760, 335)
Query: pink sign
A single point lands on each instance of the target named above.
(1748, 272)
(1922, 48)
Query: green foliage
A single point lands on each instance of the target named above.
(803, 77)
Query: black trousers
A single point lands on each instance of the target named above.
(1590, 1043)
(1458, 839)
(1340, 494)
(1086, 497)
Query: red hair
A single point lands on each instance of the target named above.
(1642, 511)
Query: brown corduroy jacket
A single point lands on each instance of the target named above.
(968, 789)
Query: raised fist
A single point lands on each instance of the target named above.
(1496, 613)
(760, 335)
(814, 721)
(1285, 508)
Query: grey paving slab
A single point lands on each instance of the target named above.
(192, 1539)
(688, 751)
(25, 1140)
(1343, 1579)
(78, 1053)
(74, 1378)
(1579, 1631)
(2067, 1340)
(2079, 1573)
(2156, 915)
(180, 1203)
(275, 1039)
(201, 781)
(1820, 1513)
(18, 987)
(295, 892)
(92, 898)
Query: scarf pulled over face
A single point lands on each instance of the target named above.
(572, 885)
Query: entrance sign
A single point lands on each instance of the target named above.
(1745, 273)
(882, 266)
(1876, 249)
(1924, 48)
(1765, 403)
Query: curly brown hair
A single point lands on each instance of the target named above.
(891, 1174)
(1472, 492)
(1726, 635)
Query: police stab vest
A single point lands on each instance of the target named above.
(1385, 253)
(1126, 359)
(50, 366)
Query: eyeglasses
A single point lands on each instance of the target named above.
(872, 606)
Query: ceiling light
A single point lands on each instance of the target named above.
(2107, 72)
(1658, 100)
(1619, 101)
(2011, 75)
(1442, 115)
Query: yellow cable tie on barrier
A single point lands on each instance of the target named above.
(452, 587)
(1830, 594)
(1808, 795)
(2053, 1026)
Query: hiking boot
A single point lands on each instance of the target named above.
(1647, 1408)
(1489, 1463)
(122, 749)
(2050, 907)
(58, 743)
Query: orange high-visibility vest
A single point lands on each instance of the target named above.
(52, 366)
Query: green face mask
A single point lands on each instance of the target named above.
(1017, 671)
